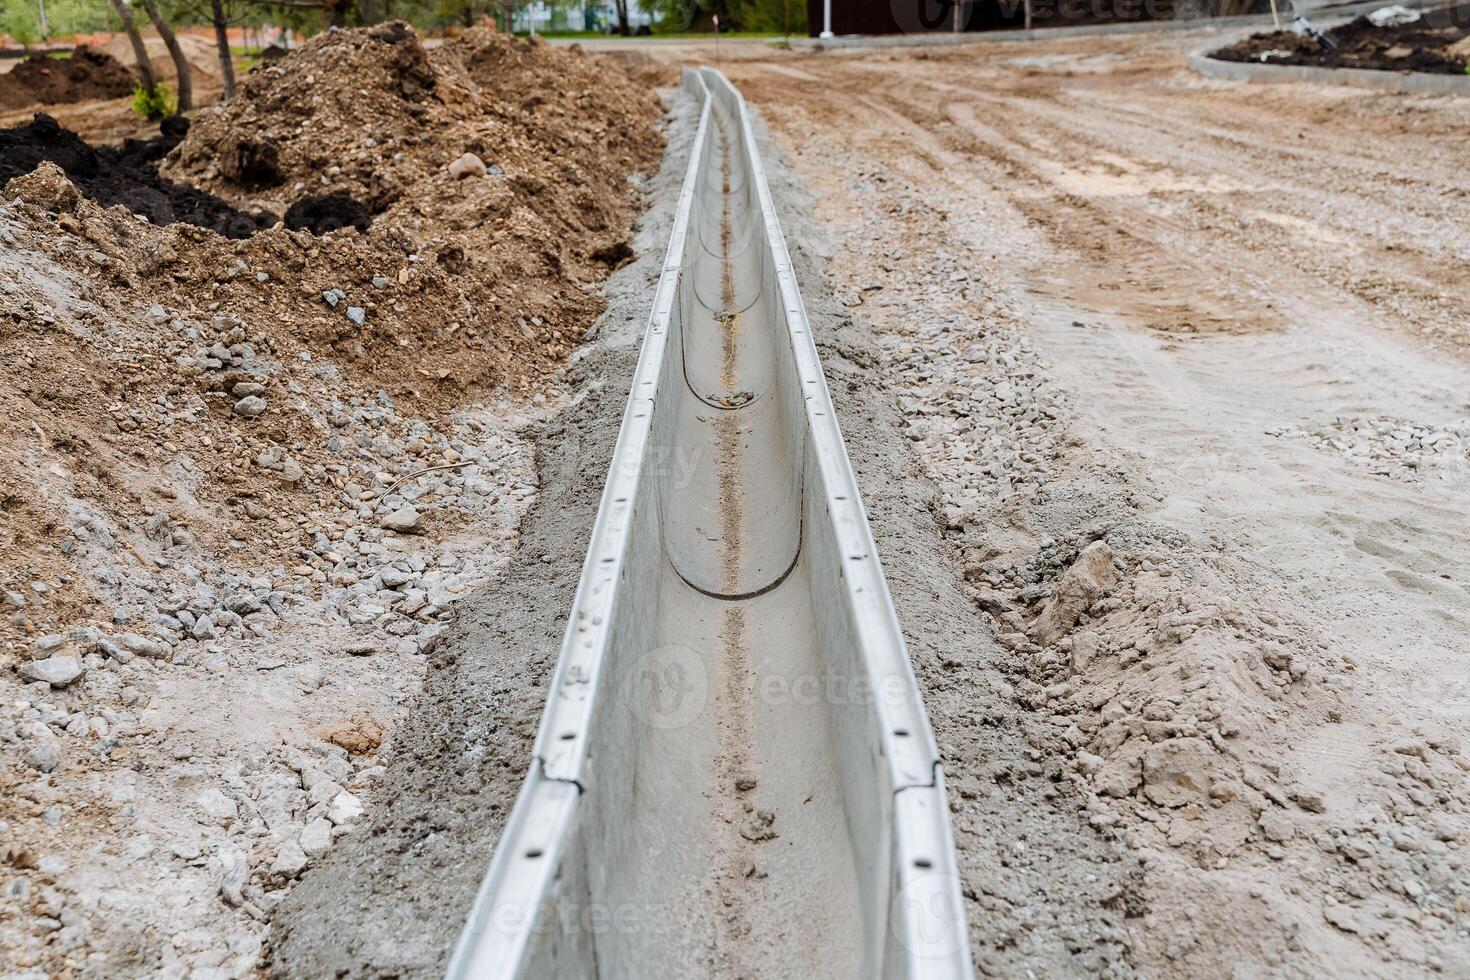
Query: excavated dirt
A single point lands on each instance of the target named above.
(1435, 43)
(87, 74)
(486, 275)
(475, 286)
(244, 483)
(127, 176)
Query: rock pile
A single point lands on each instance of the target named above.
(1397, 448)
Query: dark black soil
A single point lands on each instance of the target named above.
(1420, 46)
(332, 212)
(127, 175)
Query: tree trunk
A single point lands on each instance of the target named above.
(222, 41)
(181, 64)
(140, 50)
(1028, 15)
(623, 28)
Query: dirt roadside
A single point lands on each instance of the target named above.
(1048, 890)
(245, 483)
(1175, 353)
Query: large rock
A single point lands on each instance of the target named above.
(344, 809)
(58, 671)
(250, 407)
(217, 807)
(316, 837)
(44, 754)
(466, 166)
(1179, 771)
(290, 860)
(404, 520)
(143, 646)
(46, 187)
(1088, 580)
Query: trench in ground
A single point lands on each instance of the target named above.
(742, 786)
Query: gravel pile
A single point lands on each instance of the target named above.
(1396, 448)
(213, 637)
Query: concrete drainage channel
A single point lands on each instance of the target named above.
(734, 774)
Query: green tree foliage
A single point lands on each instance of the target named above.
(21, 19)
(773, 16)
(155, 104)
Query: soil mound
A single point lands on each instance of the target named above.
(1434, 43)
(479, 273)
(87, 74)
(316, 113)
(126, 176)
(199, 51)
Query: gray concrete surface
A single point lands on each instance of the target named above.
(757, 780)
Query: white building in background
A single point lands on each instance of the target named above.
(600, 16)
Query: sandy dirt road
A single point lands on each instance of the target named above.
(1222, 328)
